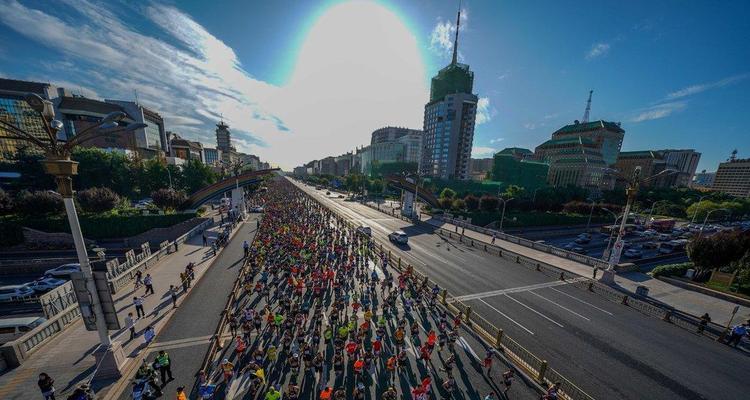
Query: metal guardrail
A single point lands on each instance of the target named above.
(584, 259)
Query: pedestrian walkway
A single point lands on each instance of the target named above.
(69, 358)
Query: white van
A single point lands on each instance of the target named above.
(13, 328)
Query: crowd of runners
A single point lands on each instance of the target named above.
(323, 315)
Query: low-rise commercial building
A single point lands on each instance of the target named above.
(15, 111)
(516, 166)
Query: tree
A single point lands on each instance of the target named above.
(514, 191)
(153, 176)
(445, 203)
(168, 199)
(96, 200)
(6, 203)
(488, 203)
(38, 203)
(99, 168)
(458, 204)
(472, 202)
(717, 251)
(196, 175)
(448, 193)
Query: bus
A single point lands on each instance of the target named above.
(673, 246)
(662, 225)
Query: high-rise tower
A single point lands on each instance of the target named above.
(449, 119)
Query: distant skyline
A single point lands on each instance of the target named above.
(300, 80)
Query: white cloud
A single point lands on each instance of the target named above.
(597, 50)
(658, 111)
(443, 33)
(191, 77)
(496, 140)
(484, 111)
(482, 151)
(530, 125)
(695, 89)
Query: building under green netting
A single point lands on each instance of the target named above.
(455, 78)
(525, 173)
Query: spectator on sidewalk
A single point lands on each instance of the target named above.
(130, 324)
(190, 271)
(184, 280)
(148, 281)
(181, 393)
(138, 303)
(138, 279)
(738, 331)
(47, 386)
(148, 335)
(173, 295)
(246, 248)
(205, 240)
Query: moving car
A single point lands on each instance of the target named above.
(256, 209)
(63, 271)
(12, 292)
(398, 237)
(365, 230)
(45, 284)
(328, 193)
(633, 253)
(650, 245)
(579, 250)
(582, 240)
(13, 328)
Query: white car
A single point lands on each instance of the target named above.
(45, 284)
(12, 292)
(256, 209)
(633, 253)
(63, 270)
(398, 237)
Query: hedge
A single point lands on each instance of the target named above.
(672, 269)
(93, 227)
(483, 218)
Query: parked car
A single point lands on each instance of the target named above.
(579, 250)
(365, 230)
(569, 246)
(582, 240)
(398, 237)
(633, 253)
(12, 292)
(664, 237)
(650, 245)
(63, 271)
(13, 328)
(45, 284)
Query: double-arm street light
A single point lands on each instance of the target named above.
(611, 230)
(692, 220)
(651, 210)
(700, 232)
(57, 163)
(633, 184)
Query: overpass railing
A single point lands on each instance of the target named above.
(61, 306)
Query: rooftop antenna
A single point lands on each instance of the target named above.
(588, 109)
(455, 42)
(733, 156)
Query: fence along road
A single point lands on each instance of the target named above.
(604, 347)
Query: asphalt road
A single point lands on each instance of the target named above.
(609, 350)
(185, 337)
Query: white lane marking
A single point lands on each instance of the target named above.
(477, 296)
(584, 302)
(559, 305)
(536, 312)
(504, 315)
(466, 346)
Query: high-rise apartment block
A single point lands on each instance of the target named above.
(449, 119)
(733, 177)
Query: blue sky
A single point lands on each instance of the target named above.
(298, 80)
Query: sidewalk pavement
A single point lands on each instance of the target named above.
(682, 299)
(69, 358)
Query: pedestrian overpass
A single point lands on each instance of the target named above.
(399, 182)
(207, 193)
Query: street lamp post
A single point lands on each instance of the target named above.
(700, 232)
(502, 216)
(609, 241)
(651, 210)
(591, 213)
(633, 184)
(57, 163)
(692, 220)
